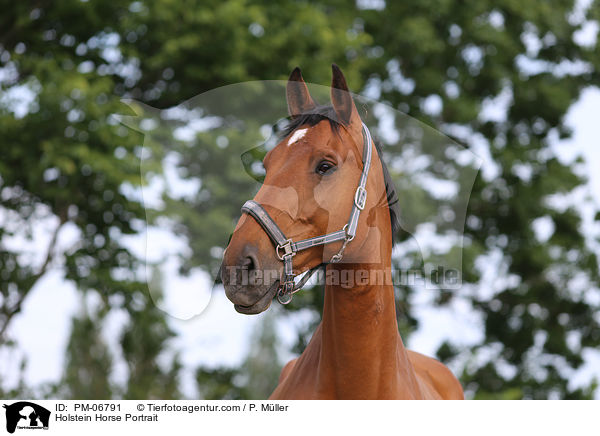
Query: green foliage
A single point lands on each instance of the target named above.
(89, 361)
(62, 159)
(66, 162)
(144, 342)
(152, 368)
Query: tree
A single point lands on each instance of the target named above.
(66, 164)
(482, 51)
(153, 369)
(63, 161)
(145, 343)
(89, 361)
(444, 63)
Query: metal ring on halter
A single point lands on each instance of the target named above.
(297, 286)
(287, 249)
(287, 289)
(281, 295)
(345, 229)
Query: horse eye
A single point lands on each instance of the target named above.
(324, 167)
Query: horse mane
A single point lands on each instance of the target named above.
(326, 112)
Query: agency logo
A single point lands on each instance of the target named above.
(26, 415)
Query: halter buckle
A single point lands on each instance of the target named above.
(360, 197)
(287, 250)
(286, 291)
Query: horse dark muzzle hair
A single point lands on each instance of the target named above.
(250, 272)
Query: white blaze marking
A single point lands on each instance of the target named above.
(297, 136)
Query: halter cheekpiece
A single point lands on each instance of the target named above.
(286, 249)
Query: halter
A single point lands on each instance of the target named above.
(286, 249)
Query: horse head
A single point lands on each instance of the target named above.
(310, 189)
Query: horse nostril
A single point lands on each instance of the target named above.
(250, 262)
(247, 263)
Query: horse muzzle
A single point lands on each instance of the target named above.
(248, 285)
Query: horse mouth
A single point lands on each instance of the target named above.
(262, 304)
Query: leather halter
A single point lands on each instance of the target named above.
(286, 249)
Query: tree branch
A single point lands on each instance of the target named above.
(31, 281)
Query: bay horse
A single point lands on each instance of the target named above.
(316, 178)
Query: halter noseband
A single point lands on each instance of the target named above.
(286, 249)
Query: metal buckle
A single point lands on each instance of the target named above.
(360, 197)
(284, 298)
(285, 292)
(287, 250)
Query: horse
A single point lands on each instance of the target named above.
(316, 177)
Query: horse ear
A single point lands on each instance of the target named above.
(341, 98)
(298, 98)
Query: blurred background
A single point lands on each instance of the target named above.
(516, 84)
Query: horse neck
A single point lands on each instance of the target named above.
(361, 349)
